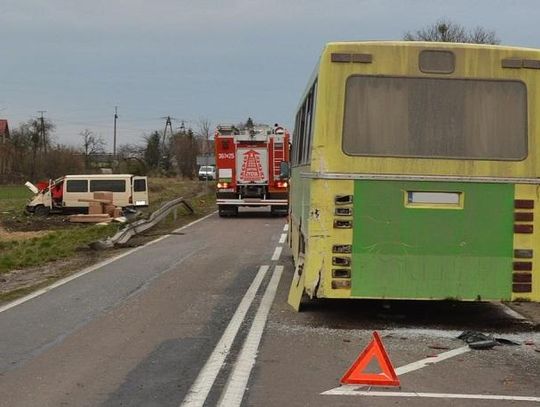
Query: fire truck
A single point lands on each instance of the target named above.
(252, 168)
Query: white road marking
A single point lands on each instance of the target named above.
(203, 384)
(429, 361)
(92, 268)
(286, 227)
(236, 386)
(277, 253)
(430, 395)
(283, 238)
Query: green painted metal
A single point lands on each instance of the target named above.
(404, 252)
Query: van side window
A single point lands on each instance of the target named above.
(77, 185)
(112, 185)
(139, 185)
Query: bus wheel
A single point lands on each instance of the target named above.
(41, 210)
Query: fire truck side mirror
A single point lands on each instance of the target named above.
(284, 169)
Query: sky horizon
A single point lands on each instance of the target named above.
(199, 60)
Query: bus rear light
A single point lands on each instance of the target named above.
(522, 266)
(341, 261)
(523, 253)
(343, 212)
(343, 199)
(342, 248)
(527, 229)
(282, 184)
(342, 224)
(523, 204)
(222, 185)
(341, 273)
(524, 216)
(336, 284)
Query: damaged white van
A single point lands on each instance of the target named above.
(68, 193)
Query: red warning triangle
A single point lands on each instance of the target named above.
(375, 349)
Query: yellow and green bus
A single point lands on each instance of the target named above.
(416, 173)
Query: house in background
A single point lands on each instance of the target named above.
(5, 147)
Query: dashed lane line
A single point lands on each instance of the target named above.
(205, 380)
(92, 268)
(277, 253)
(282, 238)
(286, 227)
(236, 386)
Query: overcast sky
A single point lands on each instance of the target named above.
(220, 60)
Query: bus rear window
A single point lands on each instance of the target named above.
(112, 185)
(434, 117)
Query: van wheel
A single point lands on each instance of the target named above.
(41, 210)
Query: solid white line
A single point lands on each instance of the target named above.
(283, 238)
(286, 227)
(277, 253)
(432, 395)
(87, 270)
(236, 386)
(203, 384)
(429, 361)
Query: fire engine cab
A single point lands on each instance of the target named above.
(252, 168)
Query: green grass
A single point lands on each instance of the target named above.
(14, 192)
(64, 240)
(56, 245)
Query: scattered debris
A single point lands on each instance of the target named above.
(478, 340)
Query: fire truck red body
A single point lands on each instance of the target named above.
(252, 168)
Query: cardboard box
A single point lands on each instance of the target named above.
(109, 209)
(95, 208)
(106, 195)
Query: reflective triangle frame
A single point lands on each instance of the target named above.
(375, 349)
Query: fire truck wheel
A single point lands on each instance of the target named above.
(41, 210)
(279, 210)
(226, 210)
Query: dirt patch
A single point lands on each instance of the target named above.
(31, 223)
(6, 235)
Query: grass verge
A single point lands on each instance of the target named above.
(29, 262)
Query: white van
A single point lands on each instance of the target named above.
(65, 193)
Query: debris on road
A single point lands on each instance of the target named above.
(478, 340)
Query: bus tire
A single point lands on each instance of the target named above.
(41, 210)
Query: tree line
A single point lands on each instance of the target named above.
(35, 155)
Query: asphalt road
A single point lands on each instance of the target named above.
(192, 320)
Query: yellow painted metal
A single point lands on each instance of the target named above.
(401, 59)
(530, 241)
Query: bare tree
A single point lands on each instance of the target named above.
(445, 30)
(92, 144)
(204, 133)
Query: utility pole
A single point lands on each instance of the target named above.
(114, 135)
(42, 130)
(168, 125)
